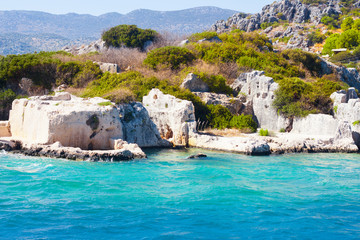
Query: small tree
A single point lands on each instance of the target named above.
(347, 24)
(128, 36)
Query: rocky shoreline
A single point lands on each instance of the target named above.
(95, 129)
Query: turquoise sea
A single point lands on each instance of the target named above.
(225, 196)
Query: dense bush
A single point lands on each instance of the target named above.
(128, 36)
(331, 22)
(306, 60)
(349, 39)
(203, 35)
(169, 57)
(316, 37)
(40, 68)
(77, 74)
(296, 98)
(221, 118)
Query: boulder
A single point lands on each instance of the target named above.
(315, 125)
(139, 128)
(108, 67)
(234, 104)
(74, 122)
(174, 118)
(194, 84)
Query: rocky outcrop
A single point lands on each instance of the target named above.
(234, 104)
(260, 93)
(139, 128)
(315, 125)
(124, 152)
(174, 118)
(108, 67)
(194, 84)
(97, 46)
(348, 75)
(293, 11)
(89, 123)
(233, 144)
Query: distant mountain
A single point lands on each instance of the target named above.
(51, 32)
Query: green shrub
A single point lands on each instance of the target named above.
(282, 130)
(296, 98)
(308, 61)
(347, 23)
(331, 22)
(169, 57)
(221, 118)
(330, 44)
(77, 74)
(243, 122)
(342, 56)
(264, 132)
(203, 35)
(128, 36)
(357, 122)
(316, 37)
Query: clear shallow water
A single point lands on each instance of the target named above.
(226, 196)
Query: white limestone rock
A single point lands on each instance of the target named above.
(234, 144)
(174, 118)
(83, 123)
(139, 128)
(194, 84)
(108, 67)
(260, 92)
(234, 104)
(315, 125)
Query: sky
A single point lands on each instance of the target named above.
(96, 7)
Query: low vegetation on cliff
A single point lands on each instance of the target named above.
(303, 87)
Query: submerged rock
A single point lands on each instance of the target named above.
(199, 155)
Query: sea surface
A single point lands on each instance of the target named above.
(225, 196)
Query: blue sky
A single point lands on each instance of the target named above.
(96, 7)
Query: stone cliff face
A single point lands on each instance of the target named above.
(174, 118)
(293, 11)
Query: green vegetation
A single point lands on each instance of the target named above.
(221, 118)
(169, 57)
(128, 36)
(350, 38)
(296, 98)
(264, 132)
(105, 104)
(316, 37)
(357, 122)
(203, 35)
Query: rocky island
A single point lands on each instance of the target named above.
(261, 75)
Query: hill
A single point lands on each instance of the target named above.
(72, 27)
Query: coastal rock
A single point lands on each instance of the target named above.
(139, 128)
(234, 104)
(88, 123)
(315, 124)
(233, 144)
(260, 93)
(56, 150)
(194, 84)
(5, 129)
(174, 118)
